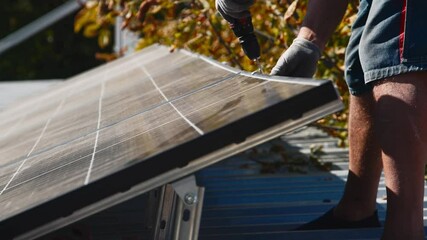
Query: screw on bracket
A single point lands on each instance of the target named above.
(190, 198)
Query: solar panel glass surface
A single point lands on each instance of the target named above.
(106, 130)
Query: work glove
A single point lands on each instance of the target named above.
(299, 60)
(237, 9)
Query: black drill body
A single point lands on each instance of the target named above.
(244, 31)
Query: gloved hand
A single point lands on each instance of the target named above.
(234, 8)
(299, 60)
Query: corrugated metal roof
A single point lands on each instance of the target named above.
(241, 202)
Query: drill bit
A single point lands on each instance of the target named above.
(258, 63)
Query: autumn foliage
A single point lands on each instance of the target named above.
(195, 25)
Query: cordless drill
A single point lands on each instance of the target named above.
(244, 31)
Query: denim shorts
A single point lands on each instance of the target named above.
(389, 37)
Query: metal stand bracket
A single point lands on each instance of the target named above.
(180, 210)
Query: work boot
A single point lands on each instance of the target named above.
(329, 221)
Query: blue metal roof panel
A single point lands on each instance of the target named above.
(241, 202)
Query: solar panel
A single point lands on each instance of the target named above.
(131, 125)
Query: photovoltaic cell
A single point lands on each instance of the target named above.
(134, 124)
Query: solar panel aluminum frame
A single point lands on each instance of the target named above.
(195, 154)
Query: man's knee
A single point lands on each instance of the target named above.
(400, 111)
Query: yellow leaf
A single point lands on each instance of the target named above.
(91, 30)
(80, 20)
(205, 4)
(91, 4)
(340, 50)
(106, 57)
(291, 10)
(156, 9)
(104, 38)
(83, 17)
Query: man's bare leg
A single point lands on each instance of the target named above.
(359, 199)
(401, 121)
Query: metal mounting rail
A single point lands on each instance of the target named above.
(39, 24)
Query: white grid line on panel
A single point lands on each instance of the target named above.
(163, 124)
(99, 150)
(170, 103)
(9, 131)
(18, 123)
(113, 70)
(61, 104)
(134, 61)
(97, 133)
